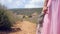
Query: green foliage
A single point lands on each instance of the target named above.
(7, 19)
(26, 11)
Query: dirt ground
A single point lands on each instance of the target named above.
(24, 27)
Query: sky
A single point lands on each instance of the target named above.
(22, 3)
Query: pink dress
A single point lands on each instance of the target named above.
(51, 23)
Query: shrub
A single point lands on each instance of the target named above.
(6, 19)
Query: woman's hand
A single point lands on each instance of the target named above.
(45, 8)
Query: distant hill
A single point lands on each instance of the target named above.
(26, 11)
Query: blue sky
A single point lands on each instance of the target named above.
(22, 3)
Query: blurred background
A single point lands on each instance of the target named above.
(22, 14)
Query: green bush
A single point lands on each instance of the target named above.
(7, 19)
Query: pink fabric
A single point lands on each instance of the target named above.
(51, 23)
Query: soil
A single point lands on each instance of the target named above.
(24, 27)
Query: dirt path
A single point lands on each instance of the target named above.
(26, 28)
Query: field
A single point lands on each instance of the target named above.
(30, 14)
(26, 21)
